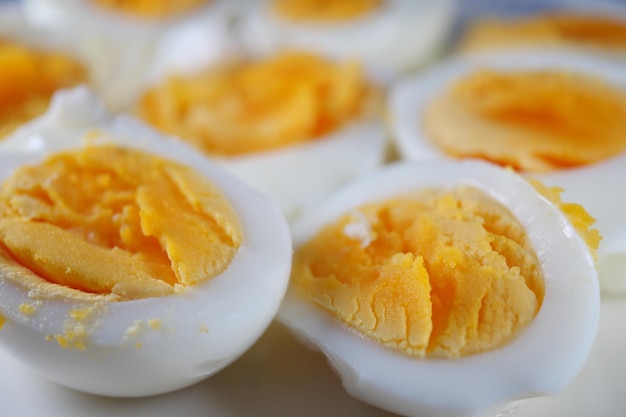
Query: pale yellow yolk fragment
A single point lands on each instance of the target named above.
(151, 9)
(288, 99)
(324, 10)
(547, 30)
(108, 220)
(531, 120)
(29, 77)
(443, 274)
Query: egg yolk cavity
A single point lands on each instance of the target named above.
(324, 10)
(151, 9)
(560, 28)
(29, 78)
(284, 100)
(116, 222)
(531, 120)
(436, 273)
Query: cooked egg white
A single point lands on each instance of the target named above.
(125, 323)
(591, 182)
(132, 45)
(390, 36)
(372, 318)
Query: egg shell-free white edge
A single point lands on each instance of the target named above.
(379, 39)
(597, 187)
(203, 328)
(542, 360)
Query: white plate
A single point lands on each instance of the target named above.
(278, 377)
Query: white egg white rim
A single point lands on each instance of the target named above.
(261, 264)
(539, 361)
(410, 97)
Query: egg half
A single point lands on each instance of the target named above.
(410, 100)
(391, 37)
(145, 345)
(541, 359)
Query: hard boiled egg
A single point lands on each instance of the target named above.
(407, 336)
(135, 326)
(390, 36)
(580, 173)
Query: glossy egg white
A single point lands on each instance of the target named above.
(152, 345)
(542, 360)
(127, 51)
(393, 39)
(596, 187)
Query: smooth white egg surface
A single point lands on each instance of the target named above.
(129, 51)
(151, 345)
(541, 360)
(595, 186)
(394, 37)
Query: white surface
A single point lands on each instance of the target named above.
(280, 378)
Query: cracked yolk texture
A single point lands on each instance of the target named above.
(151, 9)
(29, 77)
(108, 220)
(324, 10)
(434, 273)
(534, 121)
(276, 102)
(547, 30)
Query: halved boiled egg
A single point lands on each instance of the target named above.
(130, 265)
(34, 64)
(128, 41)
(446, 288)
(288, 124)
(555, 116)
(391, 37)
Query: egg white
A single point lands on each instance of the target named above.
(596, 187)
(543, 359)
(128, 51)
(394, 39)
(200, 330)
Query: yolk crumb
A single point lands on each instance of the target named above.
(151, 9)
(443, 274)
(108, 220)
(2, 320)
(280, 101)
(531, 120)
(324, 10)
(29, 78)
(27, 309)
(547, 30)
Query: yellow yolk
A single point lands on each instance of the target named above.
(547, 30)
(151, 9)
(112, 221)
(324, 10)
(435, 273)
(29, 78)
(532, 120)
(284, 100)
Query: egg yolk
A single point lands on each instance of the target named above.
(585, 30)
(284, 100)
(112, 221)
(436, 273)
(532, 120)
(324, 10)
(29, 78)
(151, 9)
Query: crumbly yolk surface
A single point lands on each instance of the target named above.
(324, 10)
(531, 120)
(151, 9)
(29, 77)
(284, 100)
(547, 30)
(435, 273)
(108, 220)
